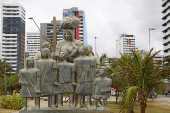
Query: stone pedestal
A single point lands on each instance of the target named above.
(64, 111)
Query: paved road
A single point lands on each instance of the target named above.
(163, 98)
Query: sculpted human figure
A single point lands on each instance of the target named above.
(85, 74)
(69, 24)
(65, 79)
(45, 44)
(47, 68)
(29, 78)
(102, 88)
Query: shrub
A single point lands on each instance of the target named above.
(12, 102)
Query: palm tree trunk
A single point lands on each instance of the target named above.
(117, 95)
(143, 107)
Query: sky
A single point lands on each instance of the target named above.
(105, 19)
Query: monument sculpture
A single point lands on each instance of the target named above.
(45, 44)
(73, 75)
(47, 67)
(102, 86)
(65, 79)
(29, 78)
(69, 44)
(85, 74)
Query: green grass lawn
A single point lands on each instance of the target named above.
(152, 107)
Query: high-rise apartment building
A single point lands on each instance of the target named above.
(12, 43)
(80, 32)
(166, 26)
(125, 44)
(47, 31)
(32, 44)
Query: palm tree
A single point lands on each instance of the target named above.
(143, 77)
(102, 59)
(118, 81)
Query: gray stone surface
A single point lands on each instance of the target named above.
(47, 68)
(102, 86)
(69, 44)
(65, 111)
(85, 72)
(29, 78)
(73, 73)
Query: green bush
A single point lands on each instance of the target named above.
(12, 102)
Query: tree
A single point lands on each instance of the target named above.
(102, 59)
(143, 77)
(166, 64)
(118, 81)
(8, 78)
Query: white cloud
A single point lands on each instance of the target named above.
(105, 19)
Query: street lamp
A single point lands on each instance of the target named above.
(95, 45)
(31, 18)
(150, 29)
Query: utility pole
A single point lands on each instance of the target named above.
(95, 45)
(54, 34)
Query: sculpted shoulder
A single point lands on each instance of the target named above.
(78, 43)
(22, 70)
(35, 70)
(60, 43)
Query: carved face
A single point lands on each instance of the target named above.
(68, 35)
(30, 63)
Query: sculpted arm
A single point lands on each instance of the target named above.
(58, 49)
(21, 79)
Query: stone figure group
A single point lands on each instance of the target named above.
(71, 72)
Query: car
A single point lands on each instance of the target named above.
(167, 93)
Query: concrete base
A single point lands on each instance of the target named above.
(64, 111)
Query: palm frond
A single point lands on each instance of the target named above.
(129, 99)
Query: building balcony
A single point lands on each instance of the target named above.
(166, 11)
(166, 34)
(166, 23)
(8, 50)
(167, 47)
(166, 7)
(164, 2)
(11, 61)
(166, 54)
(9, 46)
(166, 29)
(166, 40)
(166, 15)
(9, 53)
(10, 58)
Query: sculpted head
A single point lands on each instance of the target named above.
(68, 35)
(70, 22)
(45, 53)
(84, 50)
(90, 50)
(45, 44)
(29, 63)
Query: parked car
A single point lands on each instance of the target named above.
(167, 93)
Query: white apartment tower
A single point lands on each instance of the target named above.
(125, 44)
(32, 44)
(12, 41)
(166, 26)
